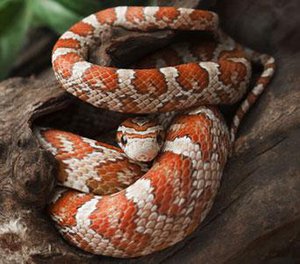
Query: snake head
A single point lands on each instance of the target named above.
(141, 138)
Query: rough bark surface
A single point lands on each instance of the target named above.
(256, 216)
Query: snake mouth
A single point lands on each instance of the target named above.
(146, 158)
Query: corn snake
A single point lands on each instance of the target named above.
(171, 199)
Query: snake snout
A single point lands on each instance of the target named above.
(147, 157)
(142, 151)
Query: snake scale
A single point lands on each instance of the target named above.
(118, 206)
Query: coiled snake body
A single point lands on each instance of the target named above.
(165, 204)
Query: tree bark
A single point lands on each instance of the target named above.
(256, 216)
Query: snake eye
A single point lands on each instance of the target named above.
(159, 139)
(124, 140)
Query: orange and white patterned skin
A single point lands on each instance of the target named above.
(148, 90)
(88, 165)
(168, 202)
(162, 207)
